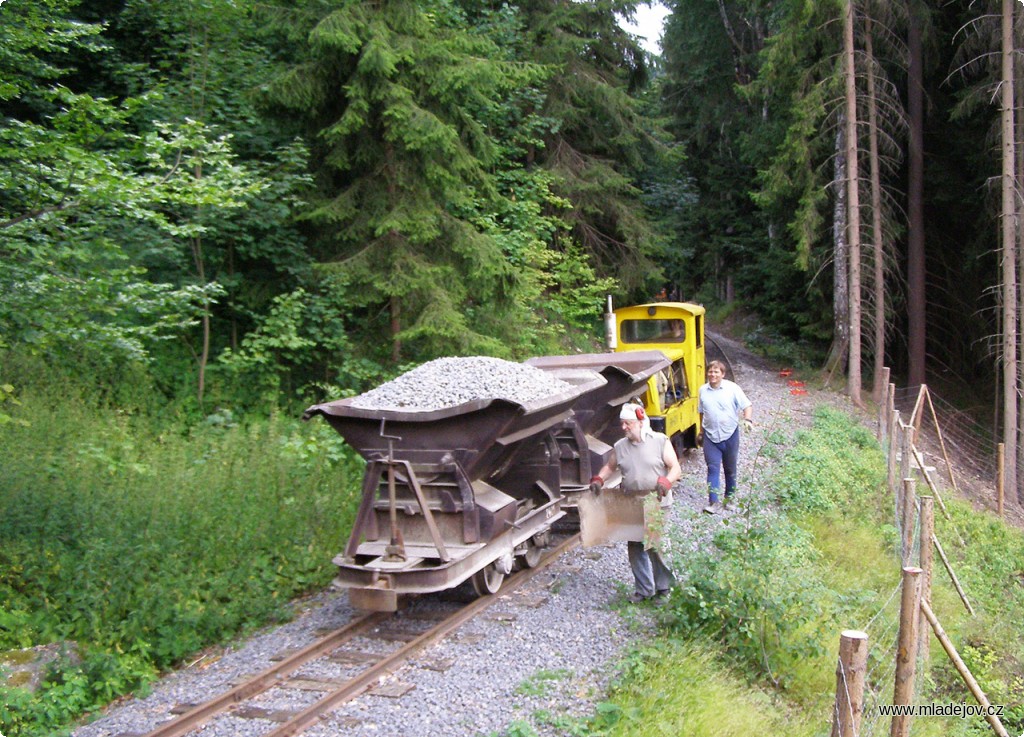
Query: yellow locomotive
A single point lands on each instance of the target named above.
(677, 330)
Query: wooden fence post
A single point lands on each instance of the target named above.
(906, 431)
(915, 417)
(927, 558)
(890, 402)
(891, 455)
(908, 506)
(906, 654)
(1000, 457)
(850, 672)
(931, 484)
(942, 444)
(883, 407)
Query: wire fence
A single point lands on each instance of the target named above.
(969, 440)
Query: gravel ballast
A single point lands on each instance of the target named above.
(551, 646)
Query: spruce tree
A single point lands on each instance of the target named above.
(393, 93)
(599, 143)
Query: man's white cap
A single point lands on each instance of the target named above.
(632, 411)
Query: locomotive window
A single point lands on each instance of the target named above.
(672, 384)
(653, 331)
(679, 376)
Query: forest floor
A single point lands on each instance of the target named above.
(968, 466)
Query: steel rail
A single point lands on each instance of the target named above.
(265, 680)
(391, 662)
(731, 373)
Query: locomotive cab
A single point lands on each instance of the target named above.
(677, 330)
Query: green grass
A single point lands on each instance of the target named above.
(142, 540)
(541, 681)
(686, 688)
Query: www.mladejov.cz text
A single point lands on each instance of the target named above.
(957, 709)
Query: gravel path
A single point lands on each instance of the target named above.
(550, 646)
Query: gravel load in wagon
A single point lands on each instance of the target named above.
(472, 408)
(448, 382)
(625, 375)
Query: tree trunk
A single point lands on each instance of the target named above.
(396, 327)
(204, 353)
(198, 67)
(916, 290)
(853, 383)
(1009, 259)
(840, 259)
(1018, 123)
(878, 250)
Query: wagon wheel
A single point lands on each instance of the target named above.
(531, 557)
(487, 581)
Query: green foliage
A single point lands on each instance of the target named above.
(265, 352)
(800, 584)
(558, 291)
(989, 564)
(29, 27)
(71, 288)
(755, 591)
(7, 396)
(598, 143)
(830, 466)
(685, 688)
(519, 729)
(406, 164)
(143, 541)
(732, 240)
(539, 682)
(719, 230)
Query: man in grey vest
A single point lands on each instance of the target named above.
(649, 465)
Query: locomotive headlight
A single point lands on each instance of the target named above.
(657, 424)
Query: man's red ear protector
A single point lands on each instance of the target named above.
(640, 413)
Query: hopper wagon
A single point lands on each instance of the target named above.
(457, 491)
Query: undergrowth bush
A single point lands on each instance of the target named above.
(684, 688)
(988, 558)
(762, 588)
(142, 542)
(835, 464)
(755, 590)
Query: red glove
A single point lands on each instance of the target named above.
(664, 485)
(596, 484)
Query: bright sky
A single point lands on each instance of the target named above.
(648, 24)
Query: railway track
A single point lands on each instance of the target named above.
(714, 350)
(367, 649)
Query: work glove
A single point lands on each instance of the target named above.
(700, 439)
(596, 484)
(663, 486)
(748, 425)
